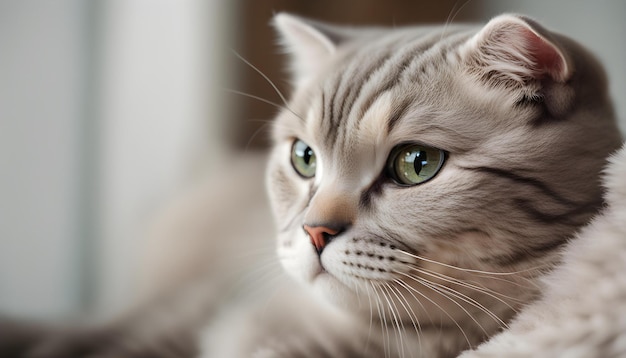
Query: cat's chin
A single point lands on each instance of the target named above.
(334, 291)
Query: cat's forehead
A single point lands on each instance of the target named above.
(383, 91)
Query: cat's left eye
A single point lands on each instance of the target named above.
(412, 164)
(303, 159)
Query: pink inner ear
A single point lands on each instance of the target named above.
(548, 58)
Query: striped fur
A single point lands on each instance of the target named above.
(581, 310)
(524, 119)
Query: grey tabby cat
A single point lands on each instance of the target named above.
(423, 180)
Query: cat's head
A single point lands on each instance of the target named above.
(406, 154)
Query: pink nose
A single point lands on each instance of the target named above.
(320, 235)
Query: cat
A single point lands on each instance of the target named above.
(425, 184)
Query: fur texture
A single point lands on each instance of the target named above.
(484, 247)
(582, 311)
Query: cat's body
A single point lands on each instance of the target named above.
(582, 311)
(423, 182)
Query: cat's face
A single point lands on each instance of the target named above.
(407, 154)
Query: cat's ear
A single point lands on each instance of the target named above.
(310, 44)
(516, 48)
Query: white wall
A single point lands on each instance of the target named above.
(599, 25)
(42, 83)
(106, 108)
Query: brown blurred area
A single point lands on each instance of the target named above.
(256, 42)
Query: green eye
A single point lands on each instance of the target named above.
(303, 159)
(413, 164)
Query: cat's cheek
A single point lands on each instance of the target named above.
(299, 260)
(468, 246)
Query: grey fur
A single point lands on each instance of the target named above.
(425, 271)
(526, 134)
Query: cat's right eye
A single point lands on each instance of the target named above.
(303, 159)
(412, 164)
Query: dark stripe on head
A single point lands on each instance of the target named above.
(528, 253)
(546, 115)
(347, 90)
(537, 102)
(356, 85)
(536, 183)
(397, 71)
(338, 98)
(351, 93)
(331, 131)
(527, 100)
(399, 110)
(412, 55)
(566, 218)
(392, 79)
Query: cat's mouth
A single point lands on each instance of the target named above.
(319, 270)
(321, 275)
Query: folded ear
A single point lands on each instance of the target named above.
(517, 50)
(309, 43)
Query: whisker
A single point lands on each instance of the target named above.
(530, 282)
(472, 285)
(454, 12)
(407, 308)
(282, 97)
(384, 327)
(418, 257)
(369, 331)
(265, 126)
(264, 76)
(255, 281)
(396, 318)
(439, 289)
(255, 252)
(440, 308)
(473, 301)
(356, 290)
(408, 289)
(263, 256)
(279, 106)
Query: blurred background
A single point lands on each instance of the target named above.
(109, 108)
